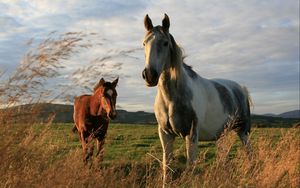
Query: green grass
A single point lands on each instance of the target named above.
(124, 142)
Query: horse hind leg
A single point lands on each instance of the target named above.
(84, 147)
(244, 126)
(244, 135)
(74, 129)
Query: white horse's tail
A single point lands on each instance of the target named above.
(247, 95)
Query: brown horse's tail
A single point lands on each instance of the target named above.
(74, 130)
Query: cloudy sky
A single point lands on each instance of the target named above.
(255, 43)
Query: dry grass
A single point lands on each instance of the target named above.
(275, 163)
(28, 163)
(35, 157)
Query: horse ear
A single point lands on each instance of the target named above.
(148, 23)
(166, 23)
(101, 82)
(115, 82)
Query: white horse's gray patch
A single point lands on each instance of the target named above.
(225, 97)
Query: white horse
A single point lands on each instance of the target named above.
(187, 105)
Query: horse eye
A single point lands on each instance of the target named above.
(143, 44)
(166, 43)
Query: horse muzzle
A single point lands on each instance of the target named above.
(150, 76)
(113, 115)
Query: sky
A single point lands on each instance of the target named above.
(255, 43)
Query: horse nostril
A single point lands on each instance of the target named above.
(144, 74)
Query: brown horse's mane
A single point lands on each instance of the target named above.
(97, 87)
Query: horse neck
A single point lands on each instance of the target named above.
(95, 103)
(172, 78)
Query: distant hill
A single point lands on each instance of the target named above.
(295, 114)
(41, 112)
(139, 117)
(271, 121)
(291, 114)
(61, 113)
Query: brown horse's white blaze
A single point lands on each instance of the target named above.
(92, 114)
(186, 104)
(109, 104)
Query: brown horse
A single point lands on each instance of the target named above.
(92, 114)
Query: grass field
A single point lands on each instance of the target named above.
(50, 156)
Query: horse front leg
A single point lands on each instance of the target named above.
(90, 146)
(167, 141)
(100, 149)
(191, 142)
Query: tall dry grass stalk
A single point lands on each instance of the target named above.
(29, 83)
(273, 164)
(26, 85)
(35, 78)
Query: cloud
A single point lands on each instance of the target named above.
(255, 43)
